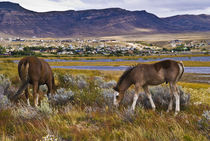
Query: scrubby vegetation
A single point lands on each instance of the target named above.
(81, 109)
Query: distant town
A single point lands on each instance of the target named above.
(98, 47)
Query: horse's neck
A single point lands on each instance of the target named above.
(125, 85)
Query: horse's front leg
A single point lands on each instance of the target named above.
(50, 90)
(135, 98)
(35, 93)
(146, 90)
(27, 96)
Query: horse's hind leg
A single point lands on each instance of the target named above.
(177, 97)
(27, 96)
(35, 93)
(170, 106)
(146, 90)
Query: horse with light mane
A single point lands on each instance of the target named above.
(143, 75)
(36, 72)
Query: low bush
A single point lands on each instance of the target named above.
(24, 111)
(45, 107)
(204, 123)
(62, 96)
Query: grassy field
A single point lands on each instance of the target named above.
(81, 112)
(161, 37)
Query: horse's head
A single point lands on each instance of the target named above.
(118, 96)
(123, 84)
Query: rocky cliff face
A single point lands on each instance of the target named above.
(16, 20)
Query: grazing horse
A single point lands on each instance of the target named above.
(143, 75)
(36, 72)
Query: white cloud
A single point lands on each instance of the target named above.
(158, 7)
(49, 5)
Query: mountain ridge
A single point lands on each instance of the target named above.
(16, 20)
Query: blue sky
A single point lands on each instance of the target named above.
(161, 8)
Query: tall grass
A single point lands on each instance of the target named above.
(83, 111)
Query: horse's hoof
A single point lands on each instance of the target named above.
(131, 109)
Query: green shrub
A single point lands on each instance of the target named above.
(45, 107)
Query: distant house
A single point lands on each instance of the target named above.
(54, 50)
(20, 49)
(175, 43)
(36, 51)
(18, 40)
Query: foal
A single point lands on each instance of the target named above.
(143, 75)
(35, 71)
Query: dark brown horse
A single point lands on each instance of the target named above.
(36, 72)
(143, 75)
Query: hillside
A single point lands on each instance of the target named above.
(16, 20)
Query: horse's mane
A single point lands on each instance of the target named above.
(124, 75)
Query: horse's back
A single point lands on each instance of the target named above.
(156, 73)
(38, 70)
(170, 69)
(30, 65)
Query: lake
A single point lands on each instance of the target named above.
(202, 59)
(202, 70)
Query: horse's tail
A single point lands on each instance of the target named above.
(23, 67)
(53, 83)
(181, 70)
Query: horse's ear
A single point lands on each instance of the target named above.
(115, 88)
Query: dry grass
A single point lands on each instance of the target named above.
(86, 118)
(76, 123)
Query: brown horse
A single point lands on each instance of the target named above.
(36, 72)
(143, 75)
